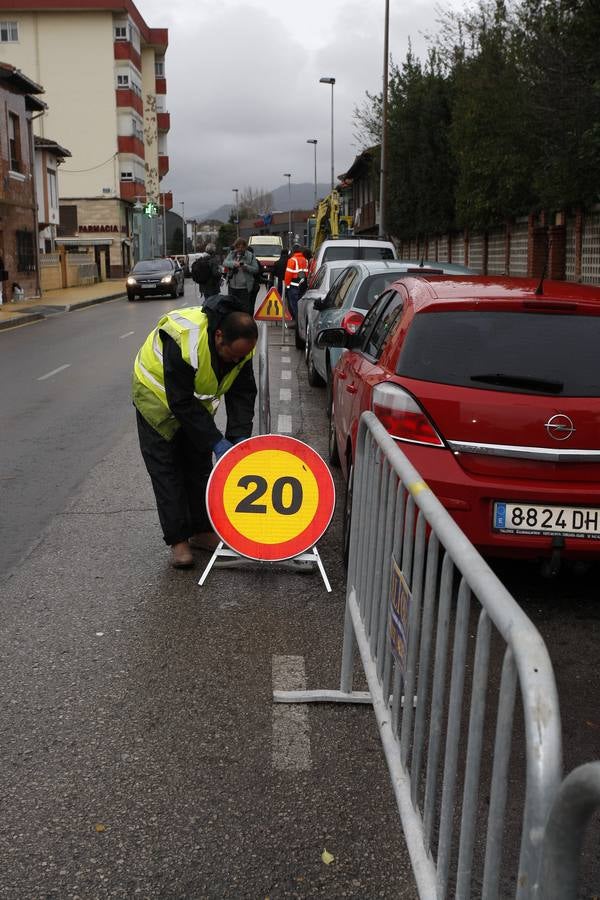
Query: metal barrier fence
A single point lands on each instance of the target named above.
(264, 397)
(404, 542)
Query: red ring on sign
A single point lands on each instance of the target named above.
(303, 541)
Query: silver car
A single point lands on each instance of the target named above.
(322, 282)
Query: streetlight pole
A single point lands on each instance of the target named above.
(384, 118)
(183, 236)
(331, 81)
(313, 141)
(288, 175)
(236, 192)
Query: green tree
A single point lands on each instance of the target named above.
(226, 236)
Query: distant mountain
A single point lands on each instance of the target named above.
(302, 196)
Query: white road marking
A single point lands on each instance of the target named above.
(284, 424)
(127, 334)
(54, 372)
(286, 359)
(286, 375)
(291, 730)
(285, 394)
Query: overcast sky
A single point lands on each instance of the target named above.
(243, 86)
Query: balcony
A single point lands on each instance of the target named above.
(166, 200)
(163, 121)
(131, 144)
(163, 165)
(161, 85)
(127, 97)
(126, 50)
(133, 190)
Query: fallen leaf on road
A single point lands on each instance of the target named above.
(327, 857)
(100, 827)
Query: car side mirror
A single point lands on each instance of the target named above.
(333, 337)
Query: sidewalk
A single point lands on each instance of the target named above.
(53, 302)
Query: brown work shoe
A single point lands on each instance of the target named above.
(181, 556)
(204, 540)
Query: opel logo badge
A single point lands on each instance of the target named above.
(560, 427)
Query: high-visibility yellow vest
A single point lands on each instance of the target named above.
(189, 328)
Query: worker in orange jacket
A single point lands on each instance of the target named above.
(296, 275)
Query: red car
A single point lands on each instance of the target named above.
(492, 390)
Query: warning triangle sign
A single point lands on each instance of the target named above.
(270, 309)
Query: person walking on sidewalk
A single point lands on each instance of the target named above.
(190, 360)
(241, 268)
(206, 272)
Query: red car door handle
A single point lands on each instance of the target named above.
(351, 389)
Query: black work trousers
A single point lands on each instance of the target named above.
(179, 477)
(243, 296)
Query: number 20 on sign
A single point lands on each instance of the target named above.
(270, 497)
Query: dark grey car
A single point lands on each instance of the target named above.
(152, 277)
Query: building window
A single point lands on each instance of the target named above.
(126, 176)
(25, 256)
(159, 68)
(122, 81)
(14, 143)
(9, 32)
(121, 33)
(52, 192)
(68, 220)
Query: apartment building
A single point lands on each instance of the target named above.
(18, 220)
(103, 71)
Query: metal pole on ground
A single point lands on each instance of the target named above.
(264, 397)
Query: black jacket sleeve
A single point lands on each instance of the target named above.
(239, 403)
(196, 421)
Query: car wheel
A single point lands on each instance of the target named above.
(297, 339)
(314, 379)
(334, 456)
(347, 522)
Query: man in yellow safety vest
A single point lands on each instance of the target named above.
(190, 360)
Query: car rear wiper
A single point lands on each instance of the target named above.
(520, 381)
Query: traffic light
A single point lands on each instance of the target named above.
(150, 209)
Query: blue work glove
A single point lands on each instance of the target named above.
(221, 447)
(238, 440)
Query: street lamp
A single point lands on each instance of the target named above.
(384, 116)
(331, 81)
(288, 175)
(236, 191)
(183, 236)
(314, 142)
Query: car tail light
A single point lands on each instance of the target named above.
(352, 322)
(402, 415)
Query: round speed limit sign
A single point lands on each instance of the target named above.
(270, 497)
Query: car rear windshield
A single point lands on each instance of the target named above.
(266, 249)
(372, 287)
(527, 353)
(151, 265)
(358, 252)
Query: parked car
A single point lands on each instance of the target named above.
(347, 302)
(493, 392)
(350, 248)
(151, 277)
(323, 280)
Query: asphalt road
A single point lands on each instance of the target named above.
(141, 754)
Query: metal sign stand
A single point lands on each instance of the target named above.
(231, 558)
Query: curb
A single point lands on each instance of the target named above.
(21, 318)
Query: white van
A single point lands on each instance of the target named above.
(267, 249)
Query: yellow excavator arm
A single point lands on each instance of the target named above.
(328, 220)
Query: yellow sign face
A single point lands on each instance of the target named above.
(270, 497)
(272, 308)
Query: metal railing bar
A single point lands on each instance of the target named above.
(437, 698)
(383, 619)
(499, 787)
(459, 653)
(371, 534)
(473, 761)
(396, 695)
(577, 799)
(406, 563)
(379, 575)
(414, 629)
